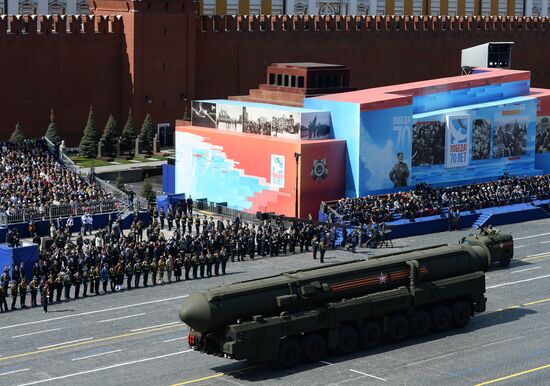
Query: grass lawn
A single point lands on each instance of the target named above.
(88, 162)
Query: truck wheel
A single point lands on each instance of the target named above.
(289, 353)
(370, 334)
(461, 313)
(505, 260)
(441, 318)
(420, 323)
(313, 347)
(347, 340)
(398, 328)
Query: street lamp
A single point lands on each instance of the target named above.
(297, 158)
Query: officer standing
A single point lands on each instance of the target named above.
(223, 259)
(129, 273)
(170, 217)
(187, 264)
(162, 267)
(85, 279)
(67, 282)
(34, 291)
(195, 264)
(104, 277)
(161, 217)
(137, 273)
(315, 243)
(14, 293)
(145, 270)
(169, 268)
(322, 250)
(23, 293)
(76, 281)
(44, 294)
(3, 303)
(154, 270)
(202, 262)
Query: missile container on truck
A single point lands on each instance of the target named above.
(299, 316)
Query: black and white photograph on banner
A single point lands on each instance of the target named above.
(428, 143)
(481, 139)
(257, 120)
(316, 125)
(229, 117)
(203, 114)
(285, 124)
(543, 135)
(510, 138)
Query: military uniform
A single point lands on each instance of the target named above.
(187, 265)
(162, 267)
(14, 293)
(34, 291)
(76, 281)
(154, 270)
(23, 293)
(315, 243)
(145, 269)
(85, 279)
(3, 303)
(137, 273)
(129, 274)
(67, 283)
(322, 250)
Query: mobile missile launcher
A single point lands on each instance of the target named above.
(500, 245)
(300, 315)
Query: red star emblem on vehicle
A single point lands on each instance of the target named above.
(382, 278)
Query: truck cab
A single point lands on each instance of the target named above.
(500, 245)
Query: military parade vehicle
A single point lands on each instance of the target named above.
(301, 315)
(500, 245)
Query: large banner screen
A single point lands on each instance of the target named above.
(457, 142)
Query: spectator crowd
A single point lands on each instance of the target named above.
(426, 200)
(32, 178)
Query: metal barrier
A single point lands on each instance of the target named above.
(56, 211)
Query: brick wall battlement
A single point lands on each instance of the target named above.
(337, 23)
(46, 25)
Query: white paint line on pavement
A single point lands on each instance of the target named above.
(326, 363)
(34, 333)
(64, 343)
(174, 339)
(122, 317)
(13, 372)
(545, 242)
(93, 312)
(158, 325)
(517, 282)
(430, 359)
(369, 375)
(103, 368)
(95, 355)
(503, 341)
(525, 269)
(538, 254)
(519, 246)
(532, 236)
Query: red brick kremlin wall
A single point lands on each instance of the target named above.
(158, 57)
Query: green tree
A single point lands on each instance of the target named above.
(90, 138)
(52, 133)
(147, 134)
(17, 135)
(147, 191)
(128, 137)
(110, 137)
